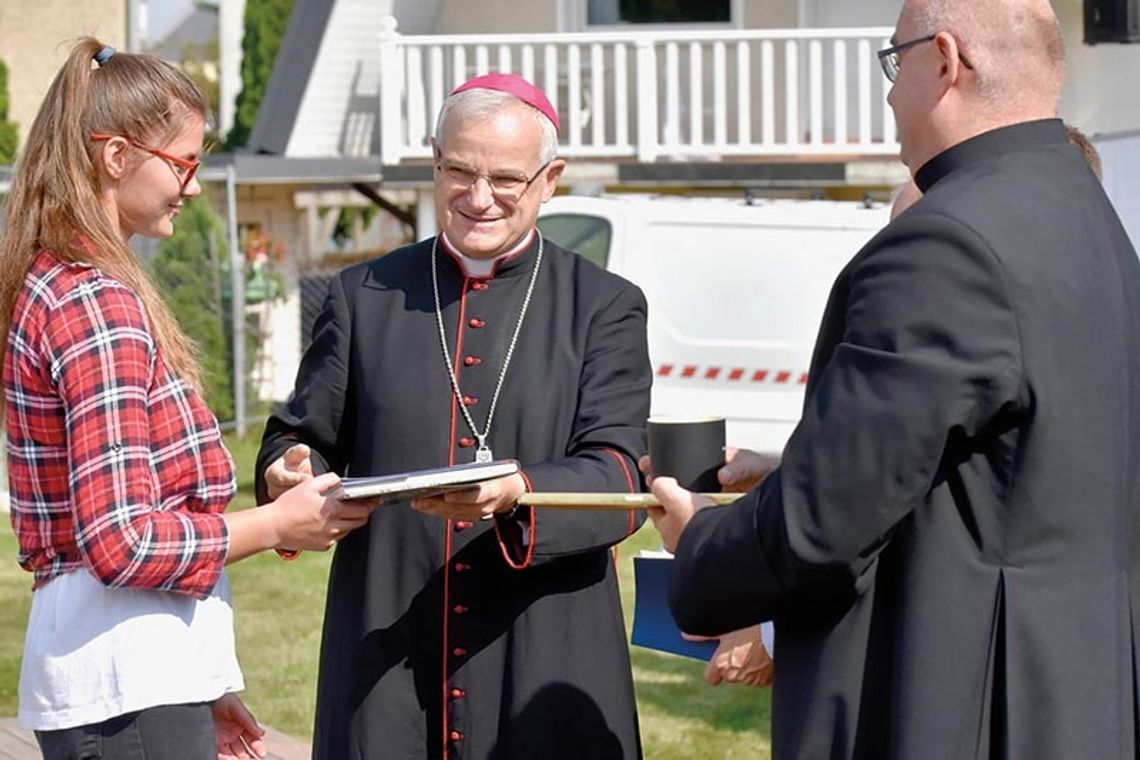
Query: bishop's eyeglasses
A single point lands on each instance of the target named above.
(508, 185)
(889, 58)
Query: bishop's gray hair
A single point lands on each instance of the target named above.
(482, 103)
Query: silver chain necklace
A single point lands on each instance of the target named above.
(483, 452)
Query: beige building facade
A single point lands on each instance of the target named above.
(36, 36)
(540, 16)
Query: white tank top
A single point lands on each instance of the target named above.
(93, 652)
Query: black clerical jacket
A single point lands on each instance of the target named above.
(497, 639)
(950, 548)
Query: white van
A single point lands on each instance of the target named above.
(736, 291)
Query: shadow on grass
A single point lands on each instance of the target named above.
(675, 686)
(682, 717)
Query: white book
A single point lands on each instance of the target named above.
(409, 485)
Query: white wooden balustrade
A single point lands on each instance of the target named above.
(649, 95)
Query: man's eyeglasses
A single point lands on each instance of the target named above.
(889, 58)
(184, 168)
(509, 186)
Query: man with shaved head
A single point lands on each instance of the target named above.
(950, 546)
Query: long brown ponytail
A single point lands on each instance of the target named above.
(54, 202)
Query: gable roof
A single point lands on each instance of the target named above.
(323, 98)
(296, 58)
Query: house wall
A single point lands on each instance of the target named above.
(272, 207)
(416, 16)
(500, 16)
(35, 38)
(1101, 78)
(844, 13)
(770, 14)
(339, 107)
(496, 16)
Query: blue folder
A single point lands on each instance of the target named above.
(653, 625)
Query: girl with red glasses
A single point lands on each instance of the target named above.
(117, 472)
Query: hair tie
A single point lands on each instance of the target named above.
(104, 55)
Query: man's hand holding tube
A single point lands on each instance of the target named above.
(677, 505)
(743, 470)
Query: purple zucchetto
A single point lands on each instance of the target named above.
(515, 85)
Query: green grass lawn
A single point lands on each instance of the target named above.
(15, 599)
(278, 609)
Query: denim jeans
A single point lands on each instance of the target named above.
(167, 732)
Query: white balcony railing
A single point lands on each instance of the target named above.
(659, 94)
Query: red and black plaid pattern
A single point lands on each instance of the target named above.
(114, 464)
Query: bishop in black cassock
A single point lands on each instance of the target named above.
(499, 638)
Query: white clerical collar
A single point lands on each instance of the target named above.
(483, 268)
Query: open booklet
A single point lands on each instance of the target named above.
(410, 485)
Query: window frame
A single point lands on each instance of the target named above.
(581, 16)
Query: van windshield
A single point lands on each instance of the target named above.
(582, 233)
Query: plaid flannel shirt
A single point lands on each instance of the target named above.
(114, 464)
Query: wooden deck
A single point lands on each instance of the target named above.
(18, 744)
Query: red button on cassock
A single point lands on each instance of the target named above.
(479, 286)
(459, 609)
(458, 694)
(470, 400)
(466, 442)
(477, 323)
(459, 652)
(463, 525)
(472, 361)
(462, 567)
(456, 736)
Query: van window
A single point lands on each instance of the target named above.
(582, 233)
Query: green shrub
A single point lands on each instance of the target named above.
(8, 134)
(265, 24)
(189, 270)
